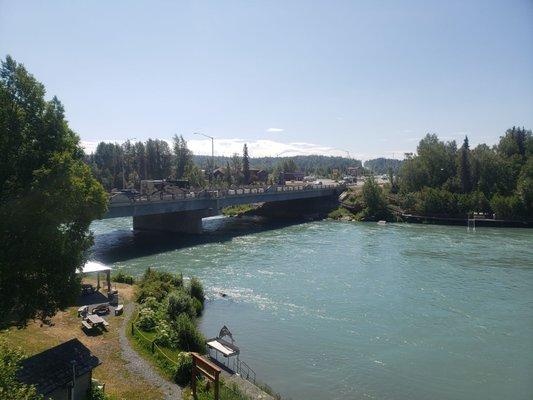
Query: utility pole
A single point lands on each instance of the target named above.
(212, 155)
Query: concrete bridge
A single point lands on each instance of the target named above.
(184, 212)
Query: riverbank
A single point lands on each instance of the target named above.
(344, 214)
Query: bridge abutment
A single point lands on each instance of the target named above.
(300, 208)
(182, 222)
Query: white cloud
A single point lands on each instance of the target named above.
(88, 146)
(275, 130)
(256, 148)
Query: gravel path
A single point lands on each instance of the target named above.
(139, 365)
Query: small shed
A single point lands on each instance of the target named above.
(62, 372)
(91, 267)
(220, 345)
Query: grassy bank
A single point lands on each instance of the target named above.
(235, 211)
(65, 325)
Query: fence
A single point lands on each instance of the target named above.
(188, 194)
(149, 343)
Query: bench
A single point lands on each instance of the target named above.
(86, 325)
(119, 309)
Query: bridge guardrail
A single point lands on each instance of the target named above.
(220, 193)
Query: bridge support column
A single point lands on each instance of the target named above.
(183, 221)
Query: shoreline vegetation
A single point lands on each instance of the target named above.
(443, 184)
(164, 330)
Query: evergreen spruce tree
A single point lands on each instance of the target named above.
(464, 167)
(246, 165)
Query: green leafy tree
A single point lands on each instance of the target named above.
(375, 203)
(10, 387)
(525, 186)
(48, 198)
(182, 156)
(245, 165)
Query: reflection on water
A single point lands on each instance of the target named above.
(328, 310)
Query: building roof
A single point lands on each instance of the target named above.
(93, 266)
(53, 368)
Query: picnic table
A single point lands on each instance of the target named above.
(96, 320)
(93, 321)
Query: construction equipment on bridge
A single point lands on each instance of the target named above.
(152, 187)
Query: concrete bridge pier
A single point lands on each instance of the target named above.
(182, 221)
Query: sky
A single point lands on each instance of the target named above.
(364, 78)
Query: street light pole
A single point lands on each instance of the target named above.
(212, 154)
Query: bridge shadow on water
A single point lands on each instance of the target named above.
(122, 245)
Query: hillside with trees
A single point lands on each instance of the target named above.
(383, 165)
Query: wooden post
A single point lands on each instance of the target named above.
(202, 366)
(217, 383)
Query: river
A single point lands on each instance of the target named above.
(331, 310)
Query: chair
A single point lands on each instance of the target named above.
(83, 310)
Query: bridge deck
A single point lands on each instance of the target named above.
(216, 199)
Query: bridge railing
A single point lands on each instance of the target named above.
(221, 193)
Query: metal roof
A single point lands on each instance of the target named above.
(93, 266)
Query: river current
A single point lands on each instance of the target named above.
(332, 310)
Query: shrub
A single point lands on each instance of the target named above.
(10, 387)
(506, 207)
(340, 212)
(198, 307)
(157, 284)
(151, 303)
(196, 290)
(147, 319)
(121, 277)
(437, 201)
(374, 201)
(164, 334)
(186, 335)
(183, 372)
(180, 302)
(95, 393)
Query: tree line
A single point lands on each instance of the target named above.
(124, 165)
(444, 179)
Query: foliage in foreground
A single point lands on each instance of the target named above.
(10, 387)
(48, 198)
(171, 317)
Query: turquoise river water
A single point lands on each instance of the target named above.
(330, 310)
